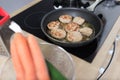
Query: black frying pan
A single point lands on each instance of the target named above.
(87, 15)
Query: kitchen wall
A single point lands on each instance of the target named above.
(13, 5)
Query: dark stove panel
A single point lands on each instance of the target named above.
(30, 19)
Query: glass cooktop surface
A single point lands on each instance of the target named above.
(30, 19)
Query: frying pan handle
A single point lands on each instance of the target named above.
(4, 17)
(92, 7)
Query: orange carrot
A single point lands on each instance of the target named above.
(25, 56)
(16, 61)
(39, 61)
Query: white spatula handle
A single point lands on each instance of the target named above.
(15, 27)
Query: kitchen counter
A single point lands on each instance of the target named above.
(91, 71)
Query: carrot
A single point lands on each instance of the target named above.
(39, 61)
(25, 56)
(16, 61)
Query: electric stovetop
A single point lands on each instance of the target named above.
(30, 19)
